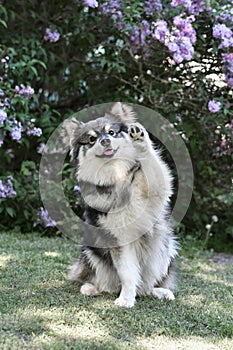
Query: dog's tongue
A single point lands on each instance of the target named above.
(108, 152)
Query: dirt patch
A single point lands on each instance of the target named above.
(223, 258)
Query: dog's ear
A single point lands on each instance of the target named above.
(122, 113)
(70, 129)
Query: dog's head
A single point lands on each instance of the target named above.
(102, 147)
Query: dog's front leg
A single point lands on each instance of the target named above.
(127, 266)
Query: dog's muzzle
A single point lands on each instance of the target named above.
(105, 141)
(108, 152)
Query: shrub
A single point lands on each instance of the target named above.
(172, 56)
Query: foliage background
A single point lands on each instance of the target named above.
(103, 54)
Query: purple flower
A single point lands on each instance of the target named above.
(160, 31)
(221, 31)
(185, 28)
(46, 219)
(51, 36)
(3, 116)
(135, 38)
(34, 132)
(112, 8)
(152, 6)
(177, 57)
(77, 188)
(139, 34)
(7, 189)
(181, 39)
(1, 142)
(185, 3)
(214, 106)
(228, 59)
(145, 31)
(6, 102)
(146, 27)
(186, 48)
(16, 132)
(25, 91)
(228, 68)
(226, 17)
(91, 3)
(229, 80)
(192, 6)
(173, 47)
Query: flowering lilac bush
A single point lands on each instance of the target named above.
(175, 56)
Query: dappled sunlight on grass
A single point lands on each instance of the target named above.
(208, 271)
(5, 260)
(52, 254)
(40, 309)
(215, 279)
(77, 331)
(163, 342)
(60, 323)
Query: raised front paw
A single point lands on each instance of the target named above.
(136, 132)
(124, 302)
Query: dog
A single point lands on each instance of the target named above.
(126, 188)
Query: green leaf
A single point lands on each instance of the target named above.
(3, 23)
(26, 214)
(35, 61)
(27, 166)
(34, 70)
(10, 211)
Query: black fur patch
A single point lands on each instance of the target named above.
(103, 254)
(123, 128)
(92, 216)
(86, 270)
(105, 189)
(90, 188)
(76, 150)
(94, 235)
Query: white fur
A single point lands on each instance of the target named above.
(146, 246)
(89, 289)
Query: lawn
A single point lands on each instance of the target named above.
(39, 309)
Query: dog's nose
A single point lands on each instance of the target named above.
(105, 141)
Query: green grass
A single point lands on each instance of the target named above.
(39, 309)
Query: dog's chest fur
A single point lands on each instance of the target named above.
(119, 205)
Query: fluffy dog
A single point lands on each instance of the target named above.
(126, 187)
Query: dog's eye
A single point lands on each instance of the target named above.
(111, 132)
(92, 139)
